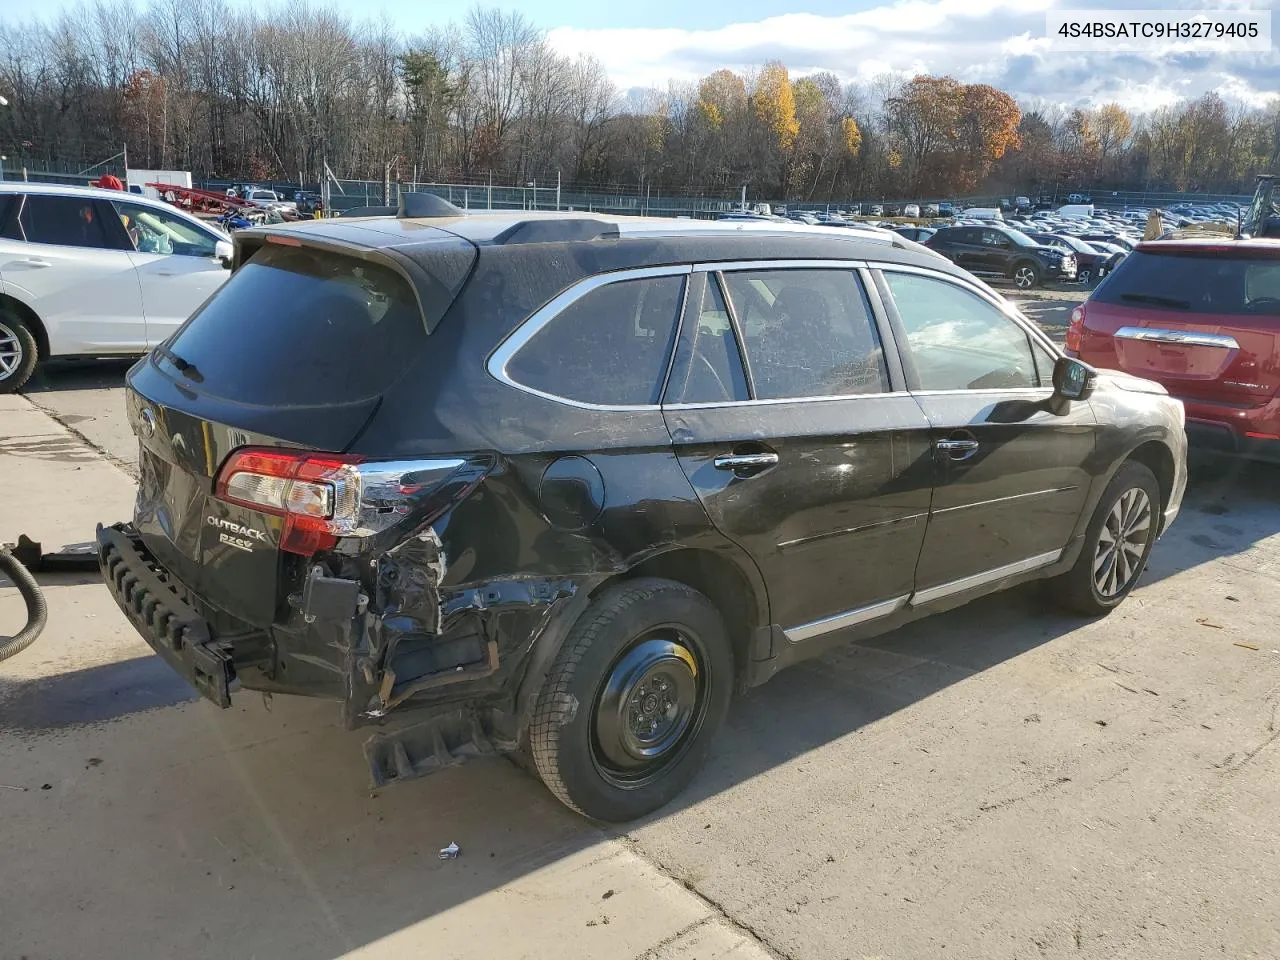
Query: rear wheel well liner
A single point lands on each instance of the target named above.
(31, 319)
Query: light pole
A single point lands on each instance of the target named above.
(4, 102)
(534, 184)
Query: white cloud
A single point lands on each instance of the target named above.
(1001, 42)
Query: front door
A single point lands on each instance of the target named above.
(1012, 474)
(176, 263)
(57, 256)
(810, 457)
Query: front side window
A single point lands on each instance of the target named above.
(609, 347)
(808, 333)
(959, 341)
(65, 221)
(155, 231)
(993, 238)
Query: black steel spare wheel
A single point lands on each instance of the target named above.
(629, 707)
(650, 704)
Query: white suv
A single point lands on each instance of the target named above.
(87, 272)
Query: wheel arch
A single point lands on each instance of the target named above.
(739, 595)
(31, 319)
(1158, 458)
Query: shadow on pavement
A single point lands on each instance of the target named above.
(79, 374)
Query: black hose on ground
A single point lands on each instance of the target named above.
(37, 611)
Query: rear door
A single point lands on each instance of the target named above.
(810, 456)
(1205, 323)
(176, 264)
(1011, 475)
(58, 255)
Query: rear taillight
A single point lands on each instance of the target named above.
(325, 496)
(1075, 329)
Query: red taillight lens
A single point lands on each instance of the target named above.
(324, 496)
(1075, 330)
(308, 490)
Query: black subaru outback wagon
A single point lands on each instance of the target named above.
(558, 486)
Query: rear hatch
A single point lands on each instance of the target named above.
(1201, 318)
(295, 352)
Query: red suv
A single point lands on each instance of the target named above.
(1201, 317)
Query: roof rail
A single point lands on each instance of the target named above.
(558, 231)
(415, 205)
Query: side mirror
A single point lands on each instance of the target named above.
(1072, 380)
(225, 252)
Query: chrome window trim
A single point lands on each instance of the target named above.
(1186, 338)
(534, 323)
(850, 618)
(734, 266)
(921, 597)
(964, 283)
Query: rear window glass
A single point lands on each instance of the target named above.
(1194, 284)
(609, 347)
(298, 327)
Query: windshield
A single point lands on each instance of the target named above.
(1076, 244)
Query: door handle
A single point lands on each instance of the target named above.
(958, 449)
(745, 461)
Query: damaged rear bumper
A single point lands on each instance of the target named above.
(170, 626)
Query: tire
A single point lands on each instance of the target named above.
(638, 644)
(1084, 590)
(1085, 277)
(18, 353)
(1025, 275)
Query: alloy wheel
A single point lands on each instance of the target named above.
(1122, 541)
(650, 707)
(10, 352)
(1024, 278)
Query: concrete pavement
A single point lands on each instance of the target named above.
(1001, 781)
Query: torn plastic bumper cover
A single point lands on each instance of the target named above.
(172, 628)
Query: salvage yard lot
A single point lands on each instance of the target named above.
(1000, 781)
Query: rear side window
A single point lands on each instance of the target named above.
(66, 221)
(1191, 283)
(297, 327)
(609, 347)
(808, 333)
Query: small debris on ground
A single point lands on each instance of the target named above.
(1233, 599)
(46, 786)
(1247, 646)
(606, 895)
(1101, 723)
(1204, 622)
(93, 762)
(450, 852)
(1034, 718)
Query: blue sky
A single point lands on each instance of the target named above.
(648, 43)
